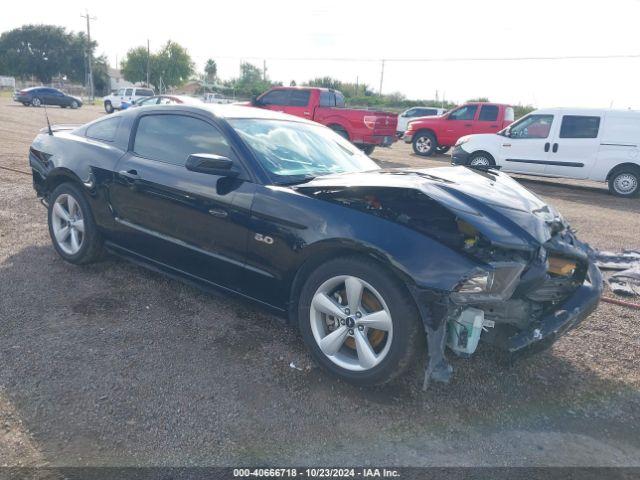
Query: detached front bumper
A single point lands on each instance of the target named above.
(568, 315)
(459, 156)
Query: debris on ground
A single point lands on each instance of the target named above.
(626, 280)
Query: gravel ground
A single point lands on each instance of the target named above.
(110, 364)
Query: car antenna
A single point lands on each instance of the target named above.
(46, 115)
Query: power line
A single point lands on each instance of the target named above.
(437, 59)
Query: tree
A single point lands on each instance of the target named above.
(211, 70)
(250, 82)
(101, 81)
(44, 51)
(169, 67)
(292, 83)
(479, 99)
(134, 65)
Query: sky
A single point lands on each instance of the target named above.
(282, 32)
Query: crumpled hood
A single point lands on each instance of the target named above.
(501, 209)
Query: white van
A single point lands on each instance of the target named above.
(601, 145)
(127, 95)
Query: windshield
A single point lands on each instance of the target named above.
(293, 152)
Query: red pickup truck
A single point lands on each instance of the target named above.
(364, 128)
(438, 134)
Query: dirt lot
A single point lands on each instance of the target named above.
(113, 365)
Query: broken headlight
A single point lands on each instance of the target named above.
(493, 284)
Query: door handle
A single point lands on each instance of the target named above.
(129, 174)
(468, 125)
(546, 146)
(555, 147)
(218, 212)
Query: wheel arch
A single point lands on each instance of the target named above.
(621, 166)
(58, 176)
(334, 125)
(429, 130)
(323, 253)
(476, 152)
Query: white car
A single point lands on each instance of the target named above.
(128, 96)
(414, 113)
(600, 145)
(216, 98)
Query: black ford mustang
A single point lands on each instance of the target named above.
(367, 262)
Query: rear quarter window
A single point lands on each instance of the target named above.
(104, 130)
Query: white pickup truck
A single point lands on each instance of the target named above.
(128, 95)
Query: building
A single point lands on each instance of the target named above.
(116, 79)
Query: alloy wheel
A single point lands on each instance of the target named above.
(68, 224)
(423, 144)
(36, 102)
(625, 183)
(351, 323)
(480, 162)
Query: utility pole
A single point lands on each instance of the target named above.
(89, 56)
(264, 70)
(381, 76)
(148, 59)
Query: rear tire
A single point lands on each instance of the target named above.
(340, 131)
(108, 107)
(73, 231)
(625, 182)
(481, 159)
(367, 149)
(36, 102)
(424, 143)
(359, 354)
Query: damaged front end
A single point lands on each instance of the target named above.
(533, 279)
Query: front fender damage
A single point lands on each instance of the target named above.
(434, 308)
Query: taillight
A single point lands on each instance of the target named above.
(370, 121)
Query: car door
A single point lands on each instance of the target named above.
(48, 96)
(487, 119)
(298, 103)
(527, 147)
(574, 147)
(458, 124)
(177, 217)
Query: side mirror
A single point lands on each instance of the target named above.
(255, 101)
(211, 165)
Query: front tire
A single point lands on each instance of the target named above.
(481, 159)
(36, 102)
(359, 322)
(73, 231)
(625, 182)
(74, 105)
(442, 149)
(108, 107)
(424, 143)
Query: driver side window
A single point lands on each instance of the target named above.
(532, 126)
(275, 97)
(468, 112)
